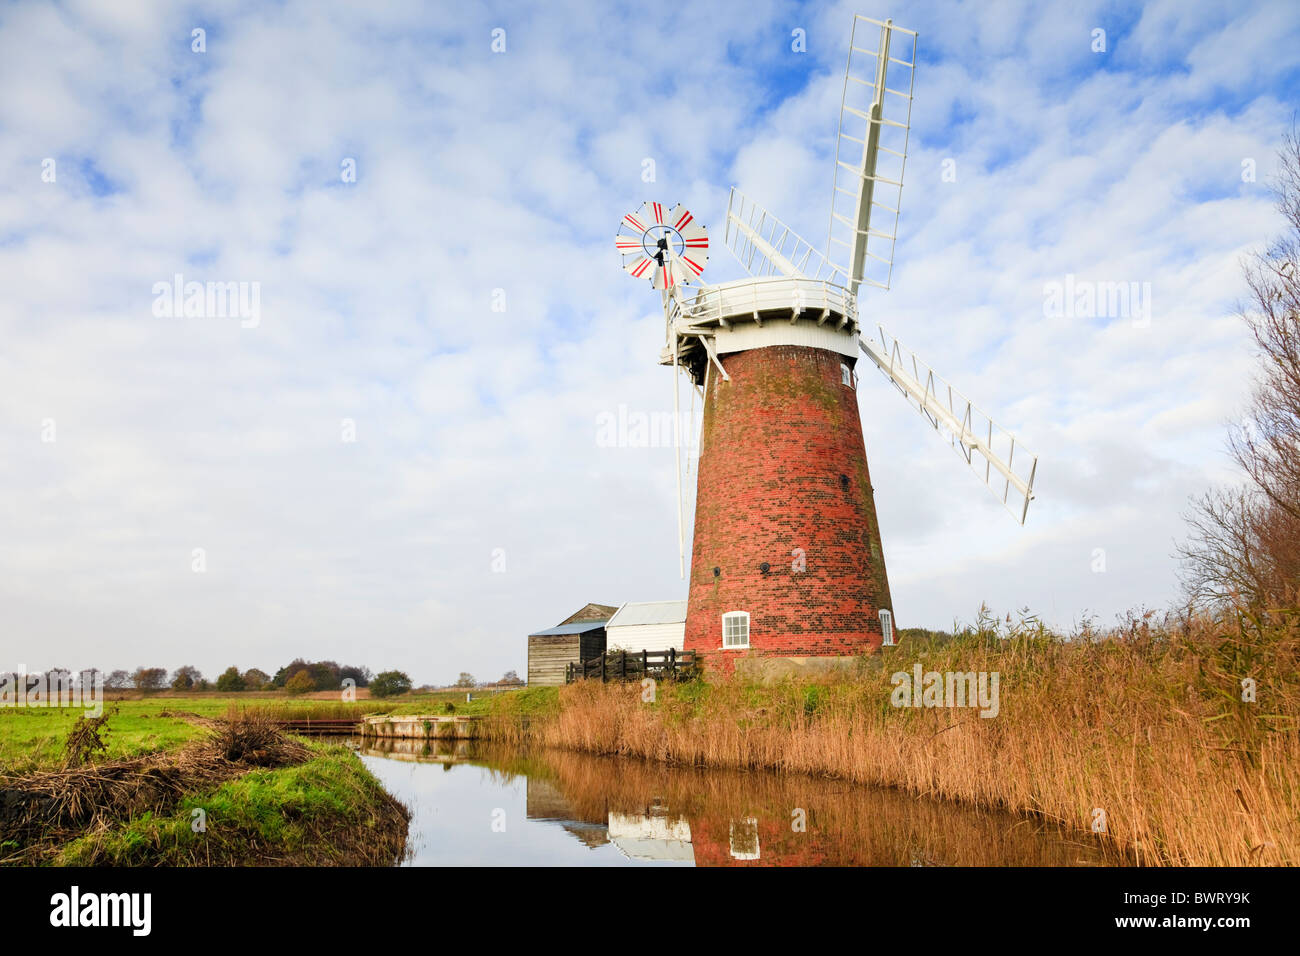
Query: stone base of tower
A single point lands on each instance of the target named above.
(772, 670)
(785, 519)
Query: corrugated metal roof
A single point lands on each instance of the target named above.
(649, 612)
(577, 627)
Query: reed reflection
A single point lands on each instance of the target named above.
(655, 812)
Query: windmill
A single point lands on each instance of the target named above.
(787, 559)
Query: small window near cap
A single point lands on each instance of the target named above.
(846, 375)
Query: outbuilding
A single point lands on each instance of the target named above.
(579, 638)
(647, 626)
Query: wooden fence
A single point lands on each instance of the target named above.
(671, 664)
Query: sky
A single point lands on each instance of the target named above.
(391, 455)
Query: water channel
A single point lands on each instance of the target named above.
(474, 804)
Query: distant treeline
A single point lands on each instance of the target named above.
(297, 677)
(300, 675)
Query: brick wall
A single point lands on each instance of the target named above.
(783, 467)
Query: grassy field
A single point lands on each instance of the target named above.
(31, 738)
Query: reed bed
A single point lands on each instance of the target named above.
(1145, 724)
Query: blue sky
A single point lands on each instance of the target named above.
(476, 429)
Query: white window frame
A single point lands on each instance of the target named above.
(736, 615)
(846, 375)
(887, 627)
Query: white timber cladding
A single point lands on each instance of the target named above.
(648, 626)
(750, 335)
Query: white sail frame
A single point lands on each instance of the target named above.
(970, 431)
(882, 115)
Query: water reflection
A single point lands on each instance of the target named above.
(474, 803)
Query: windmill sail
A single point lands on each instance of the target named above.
(1006, 467)
(765, 246)
(871, 151)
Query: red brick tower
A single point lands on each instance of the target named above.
(785, 519)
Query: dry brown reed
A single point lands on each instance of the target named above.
(1145, 724)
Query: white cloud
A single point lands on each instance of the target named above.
(476, 428)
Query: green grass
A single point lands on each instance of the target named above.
(31, 738)
(326, 810)
(434, 703)
(530, 702)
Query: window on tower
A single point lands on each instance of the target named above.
(735, 629)
(846, 375)
(887, 627)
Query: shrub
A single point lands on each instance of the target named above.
(300, 683)
(390, 684)
(84, 742)
(149, 678)
(184, 678)
(231, 680)
(361, 675)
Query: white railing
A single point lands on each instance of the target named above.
(695, 310)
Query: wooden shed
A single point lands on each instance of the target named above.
(552, 650)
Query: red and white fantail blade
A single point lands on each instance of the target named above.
(639, 239)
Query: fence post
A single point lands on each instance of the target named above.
(602, 668)
(672, 662)
(645, 665)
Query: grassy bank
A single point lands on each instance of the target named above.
(326, 811)
(228, 791)
(1145, 724)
